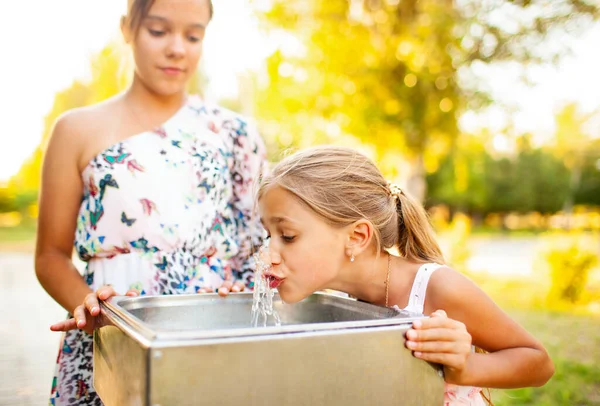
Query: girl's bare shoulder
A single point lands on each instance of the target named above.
(79, 130)
(81, 121)
(448, 288)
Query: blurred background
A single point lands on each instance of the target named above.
(486, 110)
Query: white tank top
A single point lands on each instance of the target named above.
(416, 300)
(453, 394)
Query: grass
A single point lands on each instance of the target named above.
(571, 335)
(20, 238)
(573, 342)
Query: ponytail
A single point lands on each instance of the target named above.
(416, 239)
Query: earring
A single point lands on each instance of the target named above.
(352, 258)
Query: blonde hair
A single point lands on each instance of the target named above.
(343, 186)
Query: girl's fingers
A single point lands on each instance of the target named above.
(65, 325)
(449, 360)
(225, 288)
(79, 316)
(91, 304)
(449, 347)
(132, 292)
(84, 314)
(440, 339)
(437, 320)
(437, 334)
(106, 292)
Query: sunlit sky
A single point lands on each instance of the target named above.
(47, 44)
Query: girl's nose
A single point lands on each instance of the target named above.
(273, 254)
(176, 47)
(275, 259)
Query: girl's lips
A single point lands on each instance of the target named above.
(172, 71)
(273, 280)
(274, 283)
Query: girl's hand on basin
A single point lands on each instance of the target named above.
(441, 340)
(230, 286)
(86, 315)
(227, 287)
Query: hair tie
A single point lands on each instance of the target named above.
(395, 190)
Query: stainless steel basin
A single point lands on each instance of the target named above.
(201, 349)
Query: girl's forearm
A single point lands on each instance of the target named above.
(505, 369)
(61, 280)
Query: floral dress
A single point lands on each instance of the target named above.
(165, 212)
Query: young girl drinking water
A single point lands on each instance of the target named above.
(331, 218)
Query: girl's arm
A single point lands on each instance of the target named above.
(60, 196)
(514, 359)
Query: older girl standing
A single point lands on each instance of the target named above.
(153, 187)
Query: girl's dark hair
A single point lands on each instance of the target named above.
(139, 9)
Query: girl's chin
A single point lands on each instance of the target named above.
(290, 298)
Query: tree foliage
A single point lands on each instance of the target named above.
(395, 73)
(534, 179)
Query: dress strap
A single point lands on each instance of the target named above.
(416, 300)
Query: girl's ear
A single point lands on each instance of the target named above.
(360, 235)
(125, 30)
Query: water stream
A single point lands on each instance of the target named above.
(262, 304)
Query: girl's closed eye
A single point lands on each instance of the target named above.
(284, 237)
(156, 33)
(288, 238)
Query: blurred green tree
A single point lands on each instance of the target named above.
(473, 181)
(571, 145)
(589, 187)
(395, 73)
